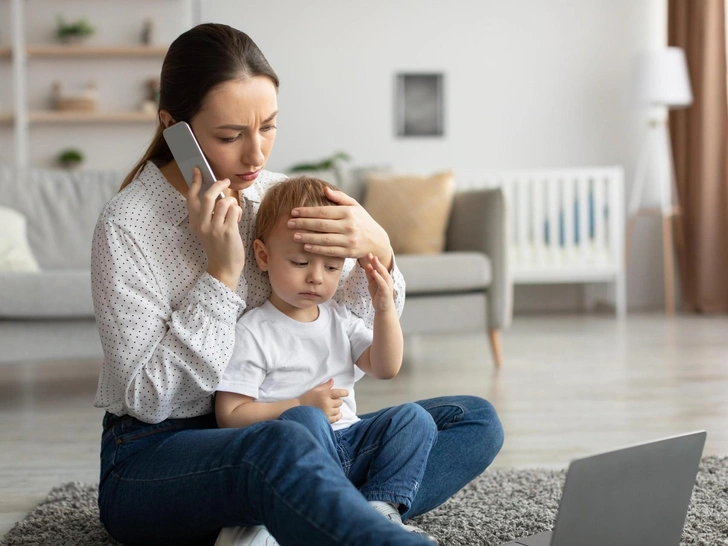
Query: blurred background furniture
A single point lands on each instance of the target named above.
(564, 226)
(468, 286)
(660, 81)
(48, 313)
(465, 288)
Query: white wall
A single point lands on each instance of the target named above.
(528, 84)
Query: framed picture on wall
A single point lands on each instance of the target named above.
(419, 105)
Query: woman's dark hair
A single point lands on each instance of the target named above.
(199, 60)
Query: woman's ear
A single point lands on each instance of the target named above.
(261, 254)
(166, 118)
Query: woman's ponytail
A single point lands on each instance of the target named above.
(157, 150)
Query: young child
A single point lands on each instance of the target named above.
(303, 350)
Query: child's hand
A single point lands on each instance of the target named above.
(381, 285)
(325, 398)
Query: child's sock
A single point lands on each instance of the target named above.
(389, 510)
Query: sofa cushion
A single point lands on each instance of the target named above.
(15, 253)
(61, 208)
(445, 272)
(48, 294)
(354, 180)
(414, 210)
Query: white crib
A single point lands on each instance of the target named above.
(565, 226)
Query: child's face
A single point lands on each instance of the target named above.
(300, 280)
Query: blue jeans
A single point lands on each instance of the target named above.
(383, 455)
(180, 481)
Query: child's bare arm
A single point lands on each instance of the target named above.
(233, 410)
(238, 410)
(384, 358)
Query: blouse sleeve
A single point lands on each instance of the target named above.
(354, 293)
(158, 357)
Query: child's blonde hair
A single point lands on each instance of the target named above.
(283, 197)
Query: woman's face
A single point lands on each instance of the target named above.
(236, 128)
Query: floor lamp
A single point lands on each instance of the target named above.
(660, 82)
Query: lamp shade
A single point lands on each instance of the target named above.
(660, 78)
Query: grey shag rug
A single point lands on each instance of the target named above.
(496, 507)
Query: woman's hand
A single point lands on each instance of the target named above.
(346, 231)
(215, 222)
(381, 285)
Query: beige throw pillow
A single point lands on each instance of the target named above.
(414, 210)
(15, 253)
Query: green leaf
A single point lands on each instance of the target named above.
(325, 164)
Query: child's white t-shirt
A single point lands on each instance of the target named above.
(278, 358)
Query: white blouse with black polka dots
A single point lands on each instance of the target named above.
(168, 327)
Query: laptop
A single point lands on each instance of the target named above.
(638, 495)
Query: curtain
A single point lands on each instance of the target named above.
(700, 147)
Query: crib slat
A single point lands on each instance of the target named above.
(616, 220)
(538, 218)
(568, 205)
(599, 207)
(583, 235)
(606, 214)
(554, 231)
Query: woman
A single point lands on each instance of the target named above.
(172, 271)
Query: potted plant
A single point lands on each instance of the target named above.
(70, 158)
(73, 32)
(321, 168)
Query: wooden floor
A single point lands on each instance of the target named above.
(570, 386)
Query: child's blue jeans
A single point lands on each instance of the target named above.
(180, 481)
(383, 455)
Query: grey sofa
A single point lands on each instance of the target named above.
(466, 288)
(49, 315)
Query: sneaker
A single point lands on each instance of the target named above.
(421, 532)
(245, 536)
(393, 515)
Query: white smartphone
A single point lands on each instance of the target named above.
(188, 154)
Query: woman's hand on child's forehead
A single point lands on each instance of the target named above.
(344, 230)
(313, 218)
(338, 198)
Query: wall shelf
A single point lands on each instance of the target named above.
(89, 51)
(33, 59)
(65, 116)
